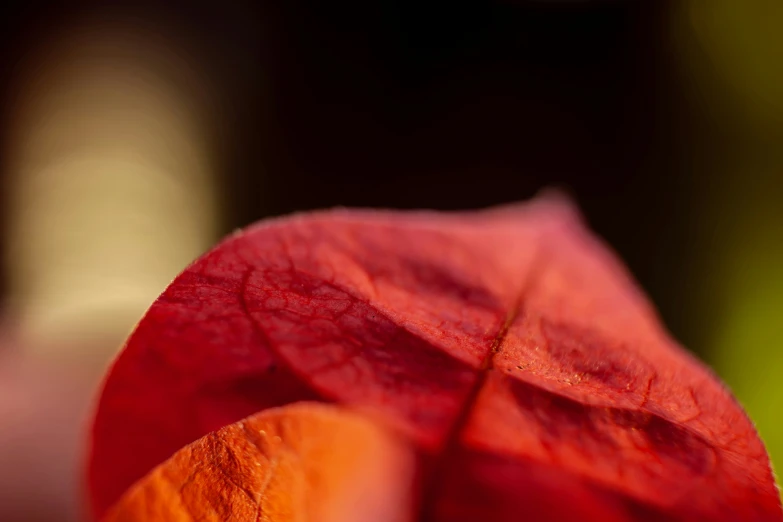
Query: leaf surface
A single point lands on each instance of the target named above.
(508, 347)
(269, 467)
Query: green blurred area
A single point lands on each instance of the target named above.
(734, 58)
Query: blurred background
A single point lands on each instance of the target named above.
(135, 135)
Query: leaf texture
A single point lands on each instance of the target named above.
(509, 348)
(270, 467)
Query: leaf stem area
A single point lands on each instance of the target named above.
(434, 480)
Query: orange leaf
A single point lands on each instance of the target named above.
(303, 462)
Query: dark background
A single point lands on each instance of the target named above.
(441, 105)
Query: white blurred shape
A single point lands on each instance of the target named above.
(111, 190)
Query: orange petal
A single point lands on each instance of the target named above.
(302, 462)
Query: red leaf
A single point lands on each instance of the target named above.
(508, 346)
